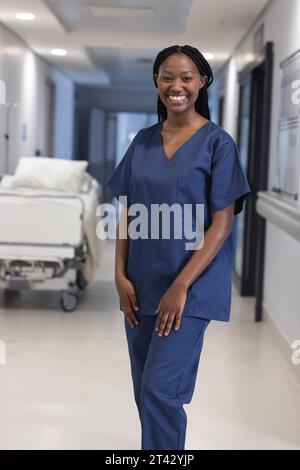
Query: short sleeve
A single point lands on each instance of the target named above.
(119, 181)
(228, 181)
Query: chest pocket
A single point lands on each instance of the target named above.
(191, 189)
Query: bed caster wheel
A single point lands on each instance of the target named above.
(81, 281)
(69, 301)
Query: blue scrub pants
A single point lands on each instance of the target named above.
(164, 371)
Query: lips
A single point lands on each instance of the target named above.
(177, 98)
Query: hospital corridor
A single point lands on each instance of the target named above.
(164, 102)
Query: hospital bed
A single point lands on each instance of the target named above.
(48, 240)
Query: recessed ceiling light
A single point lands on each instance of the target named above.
(208, 55)
(60, 52)
(25, 16)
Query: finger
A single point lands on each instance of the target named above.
(163, 324)
(130, 319)
(158, 307)
(127, 304)
(127, 309)
(130, 309)
(131, 323)
(178, 321)
(133, 318)
(158, 322)
(133, 300)
(169, 324)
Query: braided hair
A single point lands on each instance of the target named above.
(201, 105)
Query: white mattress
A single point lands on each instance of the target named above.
(40, 218)
(44, 219)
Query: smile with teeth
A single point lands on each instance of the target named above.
(177, 99)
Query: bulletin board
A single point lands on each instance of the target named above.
(288, 143)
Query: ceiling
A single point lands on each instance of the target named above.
(114, 42)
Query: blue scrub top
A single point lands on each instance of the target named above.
(205, 170)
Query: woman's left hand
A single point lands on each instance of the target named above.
(170, 307)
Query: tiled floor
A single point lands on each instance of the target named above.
(67, 384)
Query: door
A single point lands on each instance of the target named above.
(253, 143)
(49, 147)
(220, 110)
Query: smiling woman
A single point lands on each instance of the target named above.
(182, 78)
(168, 293)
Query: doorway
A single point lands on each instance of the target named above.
(49, 148)
(220, 110)
(253, 132)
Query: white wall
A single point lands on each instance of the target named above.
(25, 76)
(282, 263)
(64, 116)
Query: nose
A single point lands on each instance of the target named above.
(176, 86)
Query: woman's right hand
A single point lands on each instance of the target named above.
(128, 298)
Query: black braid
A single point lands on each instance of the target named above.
(201, 105)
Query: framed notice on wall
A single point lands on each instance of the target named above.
(288, 143)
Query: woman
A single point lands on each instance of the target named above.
(168, 293)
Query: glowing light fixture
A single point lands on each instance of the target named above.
(208, 55)
(59, 52)
(25, 16)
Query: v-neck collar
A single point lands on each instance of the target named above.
(159, 127)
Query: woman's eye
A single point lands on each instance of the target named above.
(184, 78)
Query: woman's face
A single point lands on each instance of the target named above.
(179, 82)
